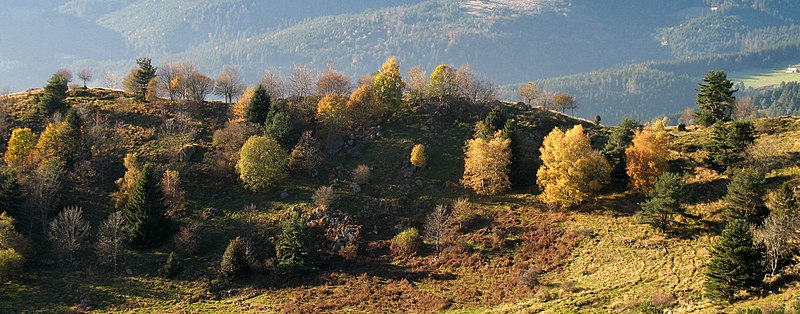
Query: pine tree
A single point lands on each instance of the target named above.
(728, 142)
(234, 263)
(663, 203)
(142, 77)
(620, 138)
(736, 263)
(495, 119)
(278, 126)
(715, 99)
(145, 211)
(259, 106)
(745, 196)
(54, 95)
(293, 248)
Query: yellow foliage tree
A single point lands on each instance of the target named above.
(646, 158)
(240, 106)
(51, 143)
(418, 156)
(571, 171)
(20, 145)
(486, 165)
(363, 107)
(389, 83)
(332, 110)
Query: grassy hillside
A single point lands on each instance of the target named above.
(594, 258)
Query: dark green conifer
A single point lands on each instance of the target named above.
(146, 211)
(736, 263)
(278, 126)
(54, 96)
(663, 202)
(294, 251)
(234, 261)
(259, 107)
(144, 74)
(619, 139)
(745, 196)
(715, 99)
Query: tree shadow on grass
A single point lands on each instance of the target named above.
(705, 192)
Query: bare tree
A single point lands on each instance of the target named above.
(198, 86)
(174, 77)
(301, 82)
(323, 197)
(173, 192)
(273, 84)
(485, 90)
(65, 73)
(465, 82)
(530, 93)
(86, 76)
(745, 108)
(439, 226)
(334, 82)
(44, 185)
(111, 238)
(687, 116)
(417, 83)
(110, 79)
(229, 84)
(68, 231)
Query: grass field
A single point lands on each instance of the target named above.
(757, 78)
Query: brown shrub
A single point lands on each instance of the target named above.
(323, 197)
(663, 300)
(362, 174)
(187, 239)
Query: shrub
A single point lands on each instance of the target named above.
(323, 197)
(171, 266)
(663, 300)
(361, 174)
(10, 263)
(234, 263)
(407, 242)
(187, 239)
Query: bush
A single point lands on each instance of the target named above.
(407, 242)
(361, 174)
(10, 263)
(234, 263)
(323, 197)
(171, 266)
(187, 239)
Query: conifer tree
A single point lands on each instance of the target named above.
(495, 119)
(729, 141)
(745, 196)
(259, 106)
(146, 211)
(715, 99)
(620, 138)
(663, 203)
(54, 96)
(305, 155)
(234, 263)
(142, 77)
(278, 126)
(295, 252)
(736, 263)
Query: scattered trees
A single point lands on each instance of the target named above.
(418, 156)
(262, 162)
(530, 93)
(68, 231)
(388, 84)
(145, 211)
(111, 239)
(736, 263)
(662, 203)
(647, 158)
(234, 263)
(715, 99)
(486, 164)
(571, 171)
(229, 84)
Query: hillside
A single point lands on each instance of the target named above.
(595, 257)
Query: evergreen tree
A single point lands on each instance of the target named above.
(736, 263)
(54, 96)
(11, 197)
(293, 247)
(745, 196)
(278, 126)
(71, 135)
(142, 76)
(728, 142)
(663, 203)
(145, 211)
(234, 263)
(620, 138)
(495, 120)
(259, 107)
(715, 99)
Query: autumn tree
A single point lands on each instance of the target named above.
(417, 84)
(45, 185)
(146, 210)
(388, 84)
(745, 109)
(262, 162)
(647, 158)
(439, 226)
(86, 76)
(334, 82)
(198, 86)
(306, 154)
(229, 84)
(12, 247)
(418, 156)
(173, 190)
(529, 92)
(274, 84)
(68, 231)
(736, 263)
(111, 239)
(486, 164)
(442, 82)
(363, 107)
(20, 145)
(663, 201)
(715, 99)
(54, 95)
(332, 111)
(571, 171)
(301, 81)
(564, 101)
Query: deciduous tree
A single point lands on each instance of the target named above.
(646, 159)
(111, 239)
(20, 145)
(530, 93)
(418, 156)
(486, 165)
(417, 86)
(229, 84)
(388, 85)
(442, 83)
(68, 231)
(306, 154)
(262, 163)
(86, 76)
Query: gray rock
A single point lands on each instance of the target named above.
(356, 188)
(187, 152)
(284, 194)
(128, 271)
(419, 182)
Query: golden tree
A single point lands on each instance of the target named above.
(418, 156)
(571, 171)
(20, 145)
(486, 165)
(646, 158)
(332, 110)
(389, 83)
(363, 107)
(239, 108)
